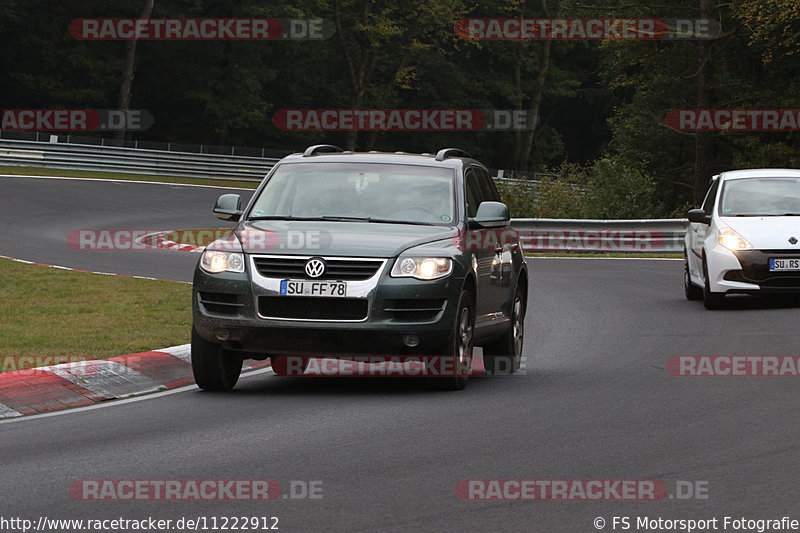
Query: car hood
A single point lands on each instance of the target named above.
(347, 239)
(767, 233)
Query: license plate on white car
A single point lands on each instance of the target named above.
(784, 265)
(336, 289)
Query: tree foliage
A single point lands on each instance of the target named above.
(600, 106)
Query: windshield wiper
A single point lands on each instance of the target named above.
(328, 218)
(344, 218)
(376, 220)
(389, 221)
(767, 215)
(283, 217)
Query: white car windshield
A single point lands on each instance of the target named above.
(358, 191)
(753, 197)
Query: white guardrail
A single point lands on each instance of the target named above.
(536, 234)
(133, 160)
(635, 236)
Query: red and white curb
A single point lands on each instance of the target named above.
(157, 240)
(86, 271)
(51, 388)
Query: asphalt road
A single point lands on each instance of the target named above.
(36, 215)
(594, 403)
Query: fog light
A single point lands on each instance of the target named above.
(222, 334)
(412, 341)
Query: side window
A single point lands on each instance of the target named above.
(711, 197)
(488, 190)
(473, 192)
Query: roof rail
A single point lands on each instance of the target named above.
(313, 150)
(444, 153)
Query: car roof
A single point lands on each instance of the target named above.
(381, 157)
(761, 173)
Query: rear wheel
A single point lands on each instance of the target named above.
(711, 300)
(692, 291)
(214, 368)
(504, 355)
(457, 353)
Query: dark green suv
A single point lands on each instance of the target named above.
(341, 254)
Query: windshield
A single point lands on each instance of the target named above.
(379, 192)
(752, 197)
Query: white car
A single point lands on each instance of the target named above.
(746, 237)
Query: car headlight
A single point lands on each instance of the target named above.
(215, 261)
(424, 268)
(733, 241)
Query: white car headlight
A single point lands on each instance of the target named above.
(215, 261)
(733, 241)
(424, 268)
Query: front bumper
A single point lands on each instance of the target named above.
(747, 272)
(229, 309)
(755, 271)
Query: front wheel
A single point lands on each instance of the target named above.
(457, 353)
(504, 355)
(692, 291)
(711, 300)
(214, 368)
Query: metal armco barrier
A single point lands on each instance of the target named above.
(638, 236)
(133, 160)
(536, 234)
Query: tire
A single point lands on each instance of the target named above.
(692, 291)
(214, 368)
(711, 300)
(504, 355)
(459, 346)
(280, 365)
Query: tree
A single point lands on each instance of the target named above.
(124, 99)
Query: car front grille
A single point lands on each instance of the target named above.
(335, 269)
(755, 269)
(766, 279)
(313, 308)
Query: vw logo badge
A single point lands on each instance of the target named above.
(315, 268)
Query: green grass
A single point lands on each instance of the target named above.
(38, 171)
(48, 311)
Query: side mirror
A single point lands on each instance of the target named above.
(699, 216)
(492, 215)
(228, 207)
